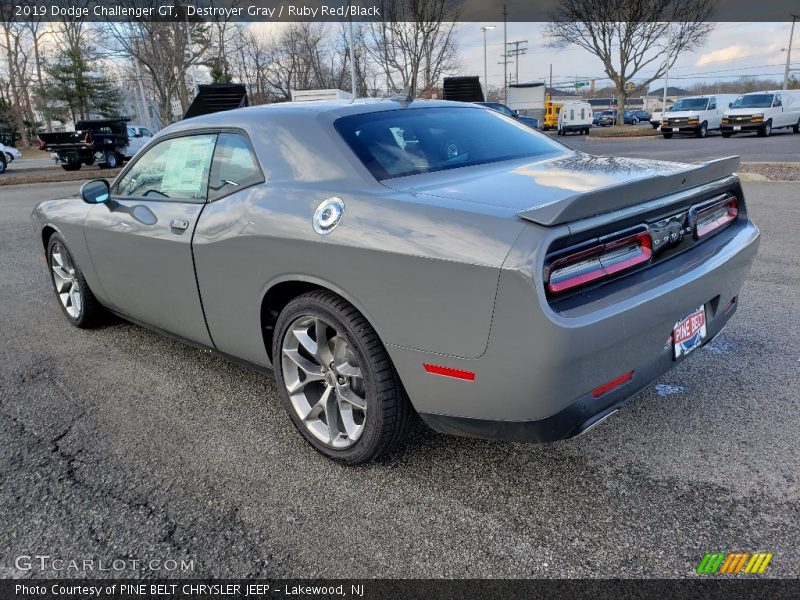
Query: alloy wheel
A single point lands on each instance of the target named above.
(65, 278)
(324, 381)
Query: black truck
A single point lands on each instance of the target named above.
(104, 142)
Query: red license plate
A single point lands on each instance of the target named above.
(689, 332)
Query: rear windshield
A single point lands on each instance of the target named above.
(408, 142)
(753, 101)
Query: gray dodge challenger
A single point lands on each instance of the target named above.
(388, 259)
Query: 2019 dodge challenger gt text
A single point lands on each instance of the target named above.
(386, 259)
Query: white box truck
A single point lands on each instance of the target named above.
(761, 112)
(575, 117)
(310, 95)
(696, 115)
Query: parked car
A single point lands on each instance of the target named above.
(656, 117)
(8, 154)
(105, 142)
(532, 122)
(605, 118)
(575, 117)
(485, 276)
(761, 112)
(634, 117)
(696, 115)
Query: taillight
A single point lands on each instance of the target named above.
(598, 262)
(716, 216)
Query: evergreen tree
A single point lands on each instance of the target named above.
(77, 86)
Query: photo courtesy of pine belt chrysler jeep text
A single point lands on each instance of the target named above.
(388, 259)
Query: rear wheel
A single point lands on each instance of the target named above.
(701, 133)
(2, 165)
(110, 160)
(336, 380)
(667, 136)
(76, 300)
(765, 129)
(71, 166)
(796, 127)
(726, 134)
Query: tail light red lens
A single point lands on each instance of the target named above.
(716, 216)
(599, 262)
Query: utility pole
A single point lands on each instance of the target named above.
(789, 54)
(484, 29)
(505, 58)
(666, 69)
(520, 48)
(194, 67)
(352, 56)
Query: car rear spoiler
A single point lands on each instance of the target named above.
(603, 200)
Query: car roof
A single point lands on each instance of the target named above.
(335, 108)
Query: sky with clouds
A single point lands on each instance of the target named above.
(732, 50)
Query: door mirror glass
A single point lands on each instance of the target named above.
(96, 192)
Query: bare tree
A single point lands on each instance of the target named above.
(164, 52)
(415, 42)
(629, 36)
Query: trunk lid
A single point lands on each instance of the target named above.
(567, 188)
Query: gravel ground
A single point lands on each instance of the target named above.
(773, 171)
(120, 444)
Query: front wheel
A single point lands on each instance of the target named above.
(76, 300)
(336, 380)
(796, 127)
(667, 136)
(71, 166)
(655, 125)
(701, 133)
(2, 165)
(635, 121)
(765, 129)
(726, 134)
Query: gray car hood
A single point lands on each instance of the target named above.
(565, 188)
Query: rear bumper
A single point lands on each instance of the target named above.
(535, 379)
(582, 414)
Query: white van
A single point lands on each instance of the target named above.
(696, 115)
(575, 117)
(762, 112)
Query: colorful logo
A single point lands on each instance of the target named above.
(734, 562)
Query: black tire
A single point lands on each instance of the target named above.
(796, 127)
(110, 160)
(667, 136)
(703, 130)
(655, 125)
(91, 312)
(2, 165)
(726, 134)
(71, 166)
(389, 415)
(635, 121)
(765, 129)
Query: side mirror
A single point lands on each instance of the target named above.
(515, 113)
(730, 104)
(96, 191)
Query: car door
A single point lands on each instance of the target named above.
(141, 240)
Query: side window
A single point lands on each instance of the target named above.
(234, 166)
(175, 169)
(712, 104)
(777, 100)
(131, 132)
(145, 132)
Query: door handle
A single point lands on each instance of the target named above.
(179, 224)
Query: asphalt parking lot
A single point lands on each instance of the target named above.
(781, 146)
(120, 444)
